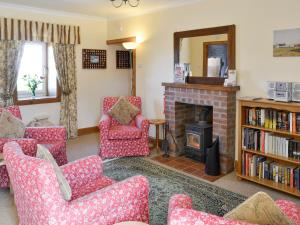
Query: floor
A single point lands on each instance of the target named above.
(88, 145)
(186, 165)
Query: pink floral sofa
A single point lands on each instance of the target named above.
(54, 138)
(96, 199)
(118, 140)
(181, 213)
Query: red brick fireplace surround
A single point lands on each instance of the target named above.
(183, 102)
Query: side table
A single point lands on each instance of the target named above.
(157, 123)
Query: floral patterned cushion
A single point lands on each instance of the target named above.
(124, 132)
(43, 153)
(259, 209)
(123, 111)
(11, 126)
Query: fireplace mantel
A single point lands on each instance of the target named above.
(202, 87)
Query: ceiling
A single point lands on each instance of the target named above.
(99, 8)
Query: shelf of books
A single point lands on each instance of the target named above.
(269, 144)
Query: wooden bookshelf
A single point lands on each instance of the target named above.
(266, 104)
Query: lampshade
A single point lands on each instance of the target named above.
(130, 45)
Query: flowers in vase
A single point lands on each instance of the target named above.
(32, 82)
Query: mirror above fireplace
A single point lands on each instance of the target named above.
(208, 52)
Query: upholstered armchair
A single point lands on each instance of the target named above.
(181, 213)
(118, 140)
(96, 199)
(54, 138)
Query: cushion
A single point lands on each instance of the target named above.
(259, 209)
(11, 126)
(124, 132)
(123, 111)
(43, 153)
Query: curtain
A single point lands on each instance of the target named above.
(27, 30)
(10, 57)
(64, 55)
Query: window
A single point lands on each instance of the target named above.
(37, 60)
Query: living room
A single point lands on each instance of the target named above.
(73, 101)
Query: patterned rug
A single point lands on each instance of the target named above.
(165, 182)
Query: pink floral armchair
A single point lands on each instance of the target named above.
(118, 140)
(96, 199)
(181, 213)
(54, 138)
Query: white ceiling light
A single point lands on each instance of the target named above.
(119, 3)
(130, 45)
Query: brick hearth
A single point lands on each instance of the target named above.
(182, 106)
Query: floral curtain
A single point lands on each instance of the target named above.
(64, 55)
(10, 57)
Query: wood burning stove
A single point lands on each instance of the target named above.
(199, 135)
(198, 138)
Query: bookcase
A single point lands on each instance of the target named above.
(269, 144)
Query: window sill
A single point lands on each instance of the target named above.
(37, 100)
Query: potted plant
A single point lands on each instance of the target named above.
(32, 82)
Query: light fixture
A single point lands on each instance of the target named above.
(130, 45)
(119, 3)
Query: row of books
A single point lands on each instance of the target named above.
(259, 166)
(273, 119)
(269, 143)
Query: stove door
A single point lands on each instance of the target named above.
(193, 140)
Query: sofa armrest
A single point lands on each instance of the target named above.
(290, 209)
(83, 171)
(142, 123)
(181, 213)
(181, 216)
(123, 201)
(46, 133)
(28, 145)
(180, 201)
(104, 125)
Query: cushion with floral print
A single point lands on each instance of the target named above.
(259, 209)
(123, 111)
(43, 153)
(11, 126)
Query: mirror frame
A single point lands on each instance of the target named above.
(229, 30)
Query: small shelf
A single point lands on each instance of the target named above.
(281, 132)
(272, 184)
(275, 157)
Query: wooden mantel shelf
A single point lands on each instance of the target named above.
(202, 87)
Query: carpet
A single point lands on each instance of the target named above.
(165, 182)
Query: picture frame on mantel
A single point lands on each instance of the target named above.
(179, 73)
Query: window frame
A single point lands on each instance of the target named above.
(40, 99)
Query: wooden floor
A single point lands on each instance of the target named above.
(186, 165)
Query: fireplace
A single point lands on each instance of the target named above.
(182, 100)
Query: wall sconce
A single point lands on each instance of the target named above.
(130, 45)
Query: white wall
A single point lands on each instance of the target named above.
(255, 21)
(93, 84)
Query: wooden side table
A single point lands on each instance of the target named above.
(157, 123)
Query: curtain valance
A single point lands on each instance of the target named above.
(25, 30)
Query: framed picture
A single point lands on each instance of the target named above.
(179, 73)
(123, 59)
(286, 43)
(94, 59)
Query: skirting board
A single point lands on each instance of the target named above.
(88, 130)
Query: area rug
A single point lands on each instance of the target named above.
(165, 182)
